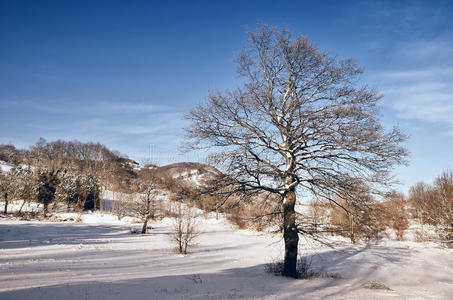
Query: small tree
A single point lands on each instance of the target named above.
(68, 189)
(47, 185)
(300, 121)
(395, 213)
(185, 229)
(434, 204)
(145, 207)
(444, 186)
(417, 201)
(24, 185)
(356, 214)
(91, 192)
(6, 188)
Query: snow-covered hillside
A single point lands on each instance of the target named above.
(190, 173)
(99, 258)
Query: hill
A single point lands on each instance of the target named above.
(190, 174)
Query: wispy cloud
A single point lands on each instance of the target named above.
(435, 51)
(86, 107)
(418, 74)
(423, 94)
(127, 127)
(130, 108)
(165, 123)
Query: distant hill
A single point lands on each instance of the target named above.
(97, 159)
(188, 173)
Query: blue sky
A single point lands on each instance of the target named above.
(124, 72)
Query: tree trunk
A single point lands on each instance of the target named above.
(46, 208)
(145, 223)
(6, 203)
(101, 199)
(290, 234)
(351, 225)
(22, 206)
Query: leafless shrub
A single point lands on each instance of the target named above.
(434, 205)
(304, 267)
(27, 215)
(258, 212)
(421, 236)
(121, 203)
(185, 229)
(375, 285)
(393, 213)
(356, 214)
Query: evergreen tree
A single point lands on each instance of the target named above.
(47, 185)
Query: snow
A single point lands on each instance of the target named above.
(99, 258)
(6, 167)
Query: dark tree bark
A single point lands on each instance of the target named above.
(145, 224)
(48, 181)
(5, 196)
(290, 234)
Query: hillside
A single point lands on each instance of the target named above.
(189, 173)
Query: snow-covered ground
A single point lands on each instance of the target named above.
(6, 167)
(99, 258)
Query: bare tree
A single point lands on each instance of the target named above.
(145, 208)
(300, 121)
(24, 185)
(444, 187)
(185, 228)
(6, 188)
(121, 203)
(434, 204)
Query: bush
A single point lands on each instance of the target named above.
(395, 214)
(304, 269)
(358, 223)
(259, 212)
(434, 204)
(185, 229)
(47, 186)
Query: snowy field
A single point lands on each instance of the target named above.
(99, 258)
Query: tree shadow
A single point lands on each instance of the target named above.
(137, 280)
(24, 235)
(237, 283)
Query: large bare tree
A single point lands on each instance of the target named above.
(301, 121)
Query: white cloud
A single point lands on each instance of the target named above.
(423, 95)
(126, 107)
(427, 50)
(420, 74)
(165, 123)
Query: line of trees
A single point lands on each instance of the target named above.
(47, 186)
(433, 204)
(70, 172)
